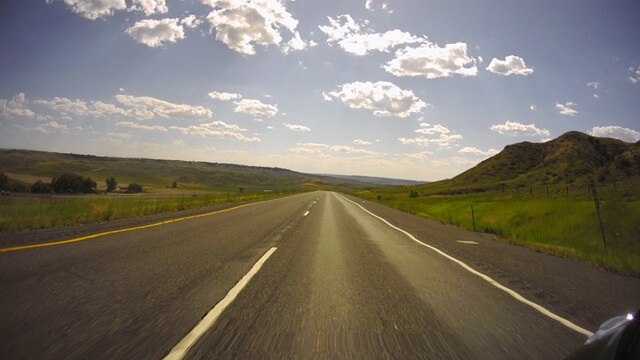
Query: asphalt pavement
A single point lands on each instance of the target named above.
(340, 283)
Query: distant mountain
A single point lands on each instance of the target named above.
(376, 180)
(160, 173)
(572, 157)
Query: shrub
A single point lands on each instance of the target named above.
(41, 188)
(134, 188)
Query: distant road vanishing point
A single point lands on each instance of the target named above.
(312, 275)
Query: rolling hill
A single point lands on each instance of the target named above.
(372, 180)
(27, 164)
(570, 158)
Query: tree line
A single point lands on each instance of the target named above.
(75, 184)
(67, 183)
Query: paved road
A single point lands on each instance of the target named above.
(341, 283)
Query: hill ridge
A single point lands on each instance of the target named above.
(571, 157)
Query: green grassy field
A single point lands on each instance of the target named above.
(560, 224)
(27, 213)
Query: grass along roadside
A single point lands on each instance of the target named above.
(29, 213)
(564, 226)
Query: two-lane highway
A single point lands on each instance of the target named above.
(336, 281)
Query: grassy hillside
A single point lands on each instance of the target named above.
(546, 203)
(199, 184)
(28, 165)
(572, 158)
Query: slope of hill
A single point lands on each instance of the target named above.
(372, 180)
(160, 173)
(572, 157)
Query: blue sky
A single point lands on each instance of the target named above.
(396, 88)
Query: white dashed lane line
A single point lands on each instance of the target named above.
(468, 242)
(180, 350)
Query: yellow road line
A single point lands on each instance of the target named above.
(93, 236)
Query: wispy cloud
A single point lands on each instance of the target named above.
(293, 127)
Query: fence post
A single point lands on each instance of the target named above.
(473, 218)
(548, 191)
(597, 203)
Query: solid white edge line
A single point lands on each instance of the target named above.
(180, 350)
(514, 294)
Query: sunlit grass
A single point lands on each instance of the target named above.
(24, 213)
(564, 226)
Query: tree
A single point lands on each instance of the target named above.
(41, 188)
(89, 185)
(135, 188)
(175, 184)
(111, 184)
(241, 189)
(4, 180)
(413, 194)
(73, 183)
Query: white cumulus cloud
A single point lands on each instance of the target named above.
(149, 7)
(635, 75)
(242, 24)
(443, 141)
(15, 107)
(513, 128)
(567, 108)
(431, 61)
(145, 107)
(132, 125)
(101, 109)
(467, 150)
(422, 155)
(384, 98)
(224, 96)
(191, 22)
(511, 65)
(293, 127)
(93, 9)
(616, 132)
(427, 129)
(367, 4)
(154, 33)
(255, 108)
(351, 37)
(50, 127)
(66, 107)
(218, 129)
(361, 142)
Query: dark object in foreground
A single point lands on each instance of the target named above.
(617, 338)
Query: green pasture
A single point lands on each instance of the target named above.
(560, 224)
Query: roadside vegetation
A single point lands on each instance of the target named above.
(37, 212)
(543, 218)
